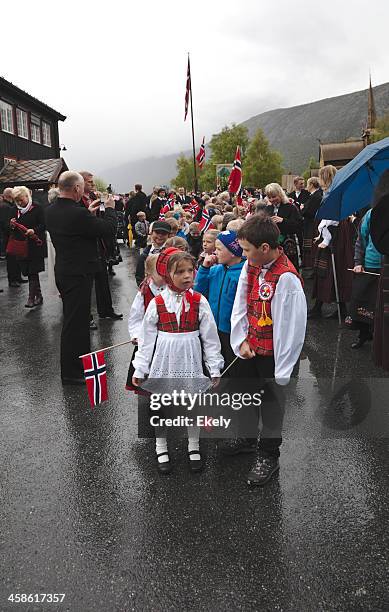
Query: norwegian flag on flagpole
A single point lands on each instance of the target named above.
(205, 222)
(95, 373)
(188, 88)
(235, 180)
(200, 157)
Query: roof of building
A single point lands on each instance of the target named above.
(32, 171)
(7, 86)
(341, 150)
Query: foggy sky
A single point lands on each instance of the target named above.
(117, 70)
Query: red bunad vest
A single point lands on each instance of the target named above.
(148, 295)
(189, 321)
(259, 297)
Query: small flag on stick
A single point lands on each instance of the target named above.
(205, 222)
(95, 373)
(201, 154)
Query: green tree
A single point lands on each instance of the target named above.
(223, 148)
(262, 165)
(223, 145)
(185, 173)
(312, 164)
(101, 185)
(381, 129)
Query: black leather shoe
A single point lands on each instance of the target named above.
(114, 316)
(73, 381)
(262, 470)
(195, 465)
(360, 342)
(92, 325)
(23, 280)
(237, 446)
(315, 313)
(14, 284)
(331, 315)
(166, 466)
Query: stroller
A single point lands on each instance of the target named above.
(121, 232)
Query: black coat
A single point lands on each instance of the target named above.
(184, 200)
(293, 220)
(153, 212)
(33, 219)
(73, 230)
(134, 205)
(303, 196)
(379, 225)
(312, 205)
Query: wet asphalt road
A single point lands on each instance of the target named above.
(84, 512)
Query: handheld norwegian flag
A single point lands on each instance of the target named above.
(168, 206)
(200, 157)
(235, 180)
(95, 373)
(205, 222)
(188, 88)
(194, 208)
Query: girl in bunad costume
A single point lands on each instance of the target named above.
(150, 287)
(178, 333)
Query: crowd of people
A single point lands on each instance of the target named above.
(220, 276)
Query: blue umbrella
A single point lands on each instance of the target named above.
(353, 185)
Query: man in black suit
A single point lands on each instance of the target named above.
(300, 195)
(73, 230)
(181, 198)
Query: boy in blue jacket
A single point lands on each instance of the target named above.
(217, 279)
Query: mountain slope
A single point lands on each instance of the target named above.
(292, 131)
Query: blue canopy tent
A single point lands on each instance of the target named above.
(353, 185)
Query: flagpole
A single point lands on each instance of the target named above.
(107, 348)
(193, 136)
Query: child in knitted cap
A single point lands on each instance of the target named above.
(217, 279)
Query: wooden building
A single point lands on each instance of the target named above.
(28, 133)
(339, 154)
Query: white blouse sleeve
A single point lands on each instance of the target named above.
(239, 320)
(289, 314)
(146, 341)
(210, 340)
(135, 318)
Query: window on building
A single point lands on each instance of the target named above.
(7, 120)
(46, 133)
(35, 129)
(21, 120)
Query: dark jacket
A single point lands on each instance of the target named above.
(379, 225)
(302, 197)
(293, 220)
(33, 219)
(183, 200)
(73, 230)
(7, 211)
(153, 212)
(140, 265)
(134, 205)
(312, 205)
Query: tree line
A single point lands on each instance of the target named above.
(261, 164)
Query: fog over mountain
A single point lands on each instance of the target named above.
(293, 131)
